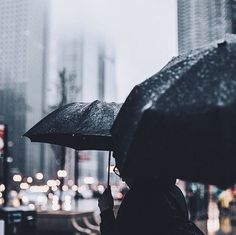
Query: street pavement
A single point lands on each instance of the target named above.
(225, 225)
(213, 226)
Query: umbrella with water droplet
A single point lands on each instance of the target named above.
(181, 122)
(79, 125)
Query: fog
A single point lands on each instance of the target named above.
(144, 33)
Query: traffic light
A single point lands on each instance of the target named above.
(3, 137)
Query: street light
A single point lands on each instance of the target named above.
(62, 173)
(29, 180)
(2, 187)
(39, 176)
(75, 188)
(65, 188)
(51, 183)
(17, 178)
(24, 186)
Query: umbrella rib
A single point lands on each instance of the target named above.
(84, 116)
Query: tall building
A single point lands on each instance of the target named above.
(90, 67)
(22, 76)
(71, 53)
(232, 10)
(203, 21)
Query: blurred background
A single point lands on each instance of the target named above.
(103, 48)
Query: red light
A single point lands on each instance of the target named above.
(2, 136)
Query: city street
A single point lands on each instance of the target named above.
(213, 226)
(117, 106)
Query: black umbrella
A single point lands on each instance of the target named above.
(82, 126)
(182, 121)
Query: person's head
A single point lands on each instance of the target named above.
(142, 180)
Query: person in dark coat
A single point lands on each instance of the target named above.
(151, 206)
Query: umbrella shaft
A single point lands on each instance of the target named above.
(108, 171)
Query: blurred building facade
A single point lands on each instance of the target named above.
(22, 75)
(89, 62)
(232, 9)
(203, 21)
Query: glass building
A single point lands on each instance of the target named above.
(203, 21)
(22, 76)
(89, 62)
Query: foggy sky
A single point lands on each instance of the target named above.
(144, 33)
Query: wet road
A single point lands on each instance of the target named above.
(215, 225)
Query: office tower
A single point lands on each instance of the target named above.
(90, 67)
(22, 75)
(232, 12)
(203, 21)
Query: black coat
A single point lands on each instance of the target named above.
(147, 208)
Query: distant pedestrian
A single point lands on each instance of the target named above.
(225, 198)
(192, 204)
(152, 206)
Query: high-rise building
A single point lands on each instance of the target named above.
(203, 21)
(71, 53)
(232, 12)
(22, 75)
(90, 67)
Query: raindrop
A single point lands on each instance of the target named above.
(147, 106)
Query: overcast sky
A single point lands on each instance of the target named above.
(144, 33)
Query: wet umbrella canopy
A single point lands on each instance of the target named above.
(182, 121)
(82, 126)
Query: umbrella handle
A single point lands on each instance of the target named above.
(108, 172)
